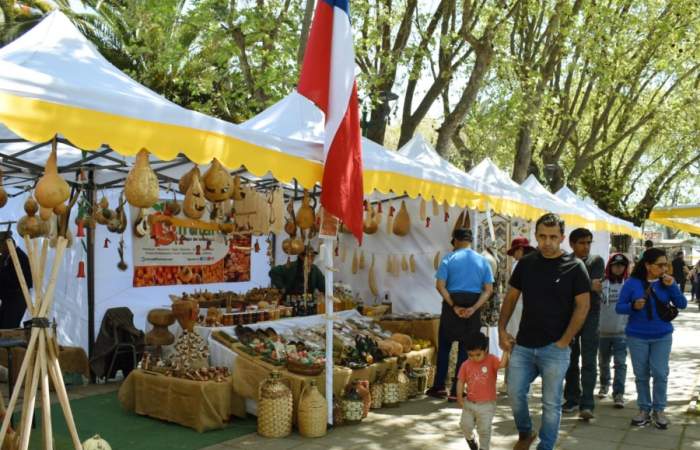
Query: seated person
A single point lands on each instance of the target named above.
(289, 278)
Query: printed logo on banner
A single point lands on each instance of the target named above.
(178, 250)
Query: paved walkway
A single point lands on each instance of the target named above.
(432, 424)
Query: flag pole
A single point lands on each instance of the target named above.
(328, 272)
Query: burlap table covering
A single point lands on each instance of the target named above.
(73, 360)
(201, 405)
(422, 329)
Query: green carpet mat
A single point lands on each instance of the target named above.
(103, 415)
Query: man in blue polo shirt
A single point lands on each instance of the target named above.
(465, 283)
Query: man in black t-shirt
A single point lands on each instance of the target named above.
(555, 292)
(580, 383)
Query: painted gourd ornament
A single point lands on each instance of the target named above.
(218, 183)
(141, 187)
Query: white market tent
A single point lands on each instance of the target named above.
(614, 224)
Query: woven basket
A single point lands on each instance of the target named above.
(312, 415)
(303, 369)
(403, 386)
(377, 394)
(275, 408)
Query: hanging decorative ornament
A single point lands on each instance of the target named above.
(81, 229)
(106, 244)
(257, 246)
(427, 222)
(446, 210)
(390, 221)
(81, 269)
(436, 207)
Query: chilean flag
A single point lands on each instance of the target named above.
(328, 79)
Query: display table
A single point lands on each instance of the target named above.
(249, 371)
(201, 405)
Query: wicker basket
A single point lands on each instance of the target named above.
(303, 369)
(274, 408)
(403, 385)
(376, 391)
(312, 415)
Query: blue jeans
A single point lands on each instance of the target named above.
(443, 361)
(613, 347)
(650, 360)
(550, 362)
(580, 383)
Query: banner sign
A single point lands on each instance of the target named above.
(170, 249)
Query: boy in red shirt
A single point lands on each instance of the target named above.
(479, 374)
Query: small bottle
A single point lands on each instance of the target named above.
(387, 302)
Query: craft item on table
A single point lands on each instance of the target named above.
(161, 319)
(353, 406)
(215, 374)
(364, 393)
(390, 348)
(191, 351)
(275, 407)
(420, 344)
(214, 317)
(391, 389)
(96, 443)
(312, 414)
(403, 339)
(402, 222)
(186, 312)
(376, 392)
(420, 375)
(402, 379)
(412, 381)
(141, 187)
(52, 190)
(310, 363)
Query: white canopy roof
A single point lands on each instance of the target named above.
(614, 224)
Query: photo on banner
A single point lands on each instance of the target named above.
(172, 249)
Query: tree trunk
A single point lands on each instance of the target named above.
(376, 127)
(305, 27)
(484, 57)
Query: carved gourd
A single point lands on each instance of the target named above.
(195, 204)
(370, 224)
(237, 193)
(96, 443)
(402, 222)
(218, 184)
(186, 179)
(141, 187)
(52, 189)
(30, 225)
(305, 216)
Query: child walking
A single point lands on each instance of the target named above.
(479, 374)
(613, 344)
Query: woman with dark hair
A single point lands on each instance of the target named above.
(649, 337)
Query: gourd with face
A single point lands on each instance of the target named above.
(195, 204)
(141, 187)
(218, 184)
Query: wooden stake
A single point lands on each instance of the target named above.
(31, 255)
(29, 412)
(48, 297)
(45, 398)
(42, 265)
(57, 377)
(28, 356)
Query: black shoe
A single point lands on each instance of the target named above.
(472, 444)
(569, 407)
(436, 393)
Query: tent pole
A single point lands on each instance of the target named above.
(91, 195)
(328, 272)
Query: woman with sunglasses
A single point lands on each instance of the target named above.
(649, 337)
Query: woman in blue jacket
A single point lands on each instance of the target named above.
(648, 337)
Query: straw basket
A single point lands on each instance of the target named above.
(376, 391)
(274, 407)
(312, 415)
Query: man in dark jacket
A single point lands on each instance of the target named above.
(289, 278)
(680, 270)
(13, 304)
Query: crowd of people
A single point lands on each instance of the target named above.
(565, 318)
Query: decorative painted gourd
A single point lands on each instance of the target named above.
(402, 222)
(52, 189)
(218, 184)
(141, 187)
(30, 225)
(237, 193)
(96, 443)
(186, 179)
(370, 224)
(195, 204)
(305, 216)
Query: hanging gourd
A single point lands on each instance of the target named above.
(422, 210)
(372, 279)
(195, 204)
(52, 189)
(404, 263)
(436, 261)
(446, 210)
(361, 264)
(355, 261)
(3, 194)
(218, 183)
(390, 221)
(389, 264)
(237, 193)
(402, 222)
(462, 220)
(141, 187)
(412, 264)
(305, 217)
(96, 443)
(30, 225)
(186, 179)
(370, 224)
(436, 207)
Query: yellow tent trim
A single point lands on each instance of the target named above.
(665, 216)
(39, 120)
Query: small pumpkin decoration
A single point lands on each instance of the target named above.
(402, 222)
(218, 184)
(195, 204)
(141, 187)
(305, 217)
(117, 222)
(30, 225)
(186, 179)
(96, 443)
(60, 209)
(52, 189)
(3, 194)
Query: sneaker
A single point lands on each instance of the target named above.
(603, 391)
(641, 419)
(473, 445)
(660, 420)
(618, 401)
(569, 407)
(436, 393)
(525, 441)
(586, 414)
